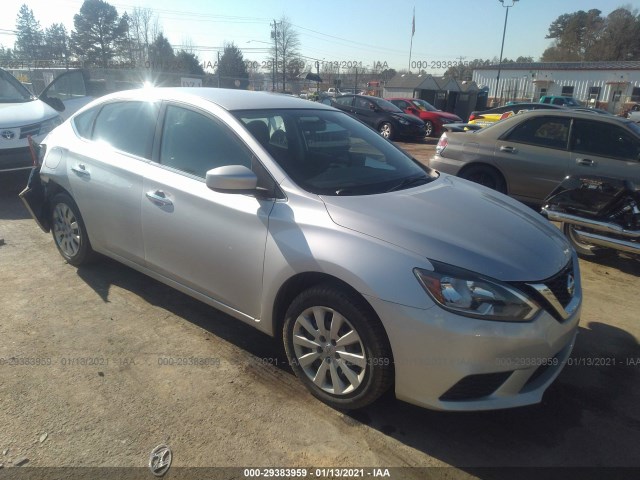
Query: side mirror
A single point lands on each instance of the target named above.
(54, 103)
(231, 179)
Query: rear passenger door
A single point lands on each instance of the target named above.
(534, 156)
(106, 169)
(604, 149)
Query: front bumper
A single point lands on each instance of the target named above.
(12, 159)
(444, 361)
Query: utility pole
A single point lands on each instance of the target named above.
(504, 31)
(274, 35)
(218, 68)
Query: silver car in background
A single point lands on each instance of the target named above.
(299, 220)
(527, 155)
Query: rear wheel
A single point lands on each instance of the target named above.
(69, 232)
(386, 130)
(337, 347)
(485, 175)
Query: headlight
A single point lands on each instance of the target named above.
(403, 121)
(48, 125)
(474, 295)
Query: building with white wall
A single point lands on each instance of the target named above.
(609, 85)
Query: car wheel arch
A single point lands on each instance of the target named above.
(488, 166)
(301, 282)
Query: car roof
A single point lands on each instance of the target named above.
(227, 98)
(559, 113)
(521, 105)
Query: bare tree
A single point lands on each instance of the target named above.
(144, 29)
(285, 47)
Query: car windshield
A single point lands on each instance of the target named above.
(11, 90)
(424, 105)
(634, 126)
(387, 106)
(331, 153)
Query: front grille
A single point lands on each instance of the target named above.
(558, 285)
(553, 294)
(475, 387)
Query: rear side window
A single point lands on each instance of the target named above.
(344, 101)
(542, 131)
(127, 126)
(604, 139)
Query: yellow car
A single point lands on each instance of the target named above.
(488, 117)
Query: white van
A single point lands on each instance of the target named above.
(23, 115)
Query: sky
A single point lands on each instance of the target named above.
(366, 33)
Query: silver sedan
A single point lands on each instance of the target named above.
(297, 219)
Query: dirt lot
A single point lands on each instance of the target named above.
(105, 381)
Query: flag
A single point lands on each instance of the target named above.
(413, 23)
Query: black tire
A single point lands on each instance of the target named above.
(387, 131)
(69, 232)
(428, 128)
(369, 347)
(485, 175)
(584, 250)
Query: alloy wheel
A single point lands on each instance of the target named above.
(66, 230)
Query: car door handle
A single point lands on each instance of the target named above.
(586, 162)
(81, 170)
(159, 198)
(507, 149)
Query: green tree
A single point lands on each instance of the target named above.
(29, 35)
(620, 37)
(189, 63)
(6, 54)
(97, 33)
(574, 36)
(161, 54)
(232, 68)
(56, 42)
(465, 70)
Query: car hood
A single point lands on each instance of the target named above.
(459, 223)
(27, 113)
(448, 116)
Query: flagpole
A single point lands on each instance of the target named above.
(413, 30)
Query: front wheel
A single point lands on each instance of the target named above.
(386, 130)
(69, 232)
(337, 347)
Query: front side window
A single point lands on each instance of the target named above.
(542, 131)
(364, 104)
(195, 143)
(127, 126)
(331, 153)
(604, 139)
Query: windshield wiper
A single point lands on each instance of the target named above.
(410, 181)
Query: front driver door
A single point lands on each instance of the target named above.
(211, 242)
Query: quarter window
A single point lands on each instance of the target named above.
(195, 143)
(604, 139)
(127, 126)
(542, 131)
(84, 122)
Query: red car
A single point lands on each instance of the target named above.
(432, 117)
